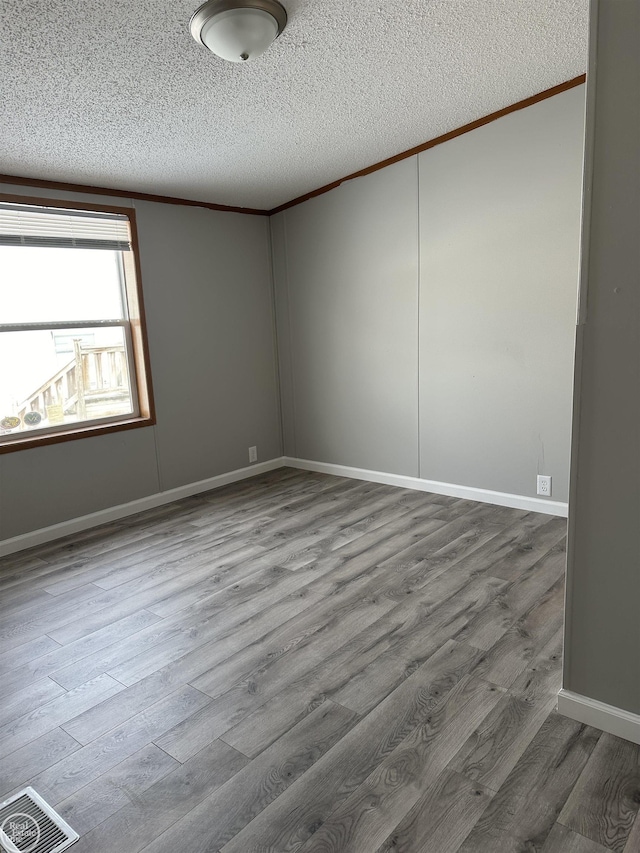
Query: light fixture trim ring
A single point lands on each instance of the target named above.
(212, 8)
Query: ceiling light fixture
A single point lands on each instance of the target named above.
(238, 30)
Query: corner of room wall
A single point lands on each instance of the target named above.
(342, 382)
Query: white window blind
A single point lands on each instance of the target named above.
(26, 225)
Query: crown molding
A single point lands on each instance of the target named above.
(120, 193)
(438, 140)
(163, 199)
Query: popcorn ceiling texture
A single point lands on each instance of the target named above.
(116, 93)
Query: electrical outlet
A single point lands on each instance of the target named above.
(544, 485)
(253, 454)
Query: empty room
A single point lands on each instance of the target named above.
(320, 426)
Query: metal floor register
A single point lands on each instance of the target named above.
(29, 825)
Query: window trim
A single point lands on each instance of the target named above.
(141, 364)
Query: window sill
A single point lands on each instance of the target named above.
(29, 442)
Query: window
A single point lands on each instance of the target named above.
(73, 356)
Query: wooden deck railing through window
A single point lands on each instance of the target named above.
(94, 384)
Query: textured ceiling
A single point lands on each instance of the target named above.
(116, 93)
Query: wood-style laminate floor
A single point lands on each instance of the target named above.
(305, 663)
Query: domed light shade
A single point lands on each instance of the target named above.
(238, 30)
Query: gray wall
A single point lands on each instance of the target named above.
(346, 265)
(206, 281)
(602, 643)
(208, 299)
(499, 238)
(464, 374)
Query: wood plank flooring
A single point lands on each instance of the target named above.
(300, 662)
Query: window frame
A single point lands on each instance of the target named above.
(135, 335)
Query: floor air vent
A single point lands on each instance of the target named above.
(29, 825)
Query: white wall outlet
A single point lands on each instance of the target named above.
(544, 485)
(253, 454)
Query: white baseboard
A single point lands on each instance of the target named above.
(84, 522)
(469, 492)
(615, 721)
(94, 519)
